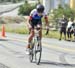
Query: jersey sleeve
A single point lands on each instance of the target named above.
(44, 14)
(31, 14)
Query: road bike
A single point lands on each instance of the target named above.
(35, 50)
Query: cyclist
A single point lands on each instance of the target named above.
(34, 20)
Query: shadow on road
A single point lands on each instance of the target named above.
(70, 40)
(3, 66)
(3, 39)
(56, 63)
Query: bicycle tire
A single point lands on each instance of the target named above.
(31, 54)
(38, 53)
(31, 57)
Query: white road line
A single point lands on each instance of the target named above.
(58, 48)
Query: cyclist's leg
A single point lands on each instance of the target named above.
(31, 34)
(40, 32)
(29, 41)
(30, 37)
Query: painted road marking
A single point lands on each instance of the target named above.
(69, 50)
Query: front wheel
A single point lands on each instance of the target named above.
(38, 52)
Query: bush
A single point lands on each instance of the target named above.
(10, 19)
(66, 10)
(26, 8)
(56, 14)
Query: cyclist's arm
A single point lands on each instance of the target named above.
(30, 16)
(46, 20)
(29, 22)
(47, 24)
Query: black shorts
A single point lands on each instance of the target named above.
(35, 22)
(63, 30)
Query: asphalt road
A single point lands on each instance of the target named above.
(55, 54)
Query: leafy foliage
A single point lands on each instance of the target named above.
(56, 14)
(26, 8)
(66, 10)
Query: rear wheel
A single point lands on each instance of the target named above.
(31, 54)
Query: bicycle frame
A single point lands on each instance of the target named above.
(36, 35)
(36, 47)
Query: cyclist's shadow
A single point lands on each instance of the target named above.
(45, 62)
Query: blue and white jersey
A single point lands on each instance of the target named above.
(35, 15)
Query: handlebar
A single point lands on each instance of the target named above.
(47, 30)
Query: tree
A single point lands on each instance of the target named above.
(57, 14)
(26, 8)
(64, 10)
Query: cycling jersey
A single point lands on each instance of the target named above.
(34, 14)
(35, 18)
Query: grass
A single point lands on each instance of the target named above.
(52, 34)
(15, 29)
(24, 30)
